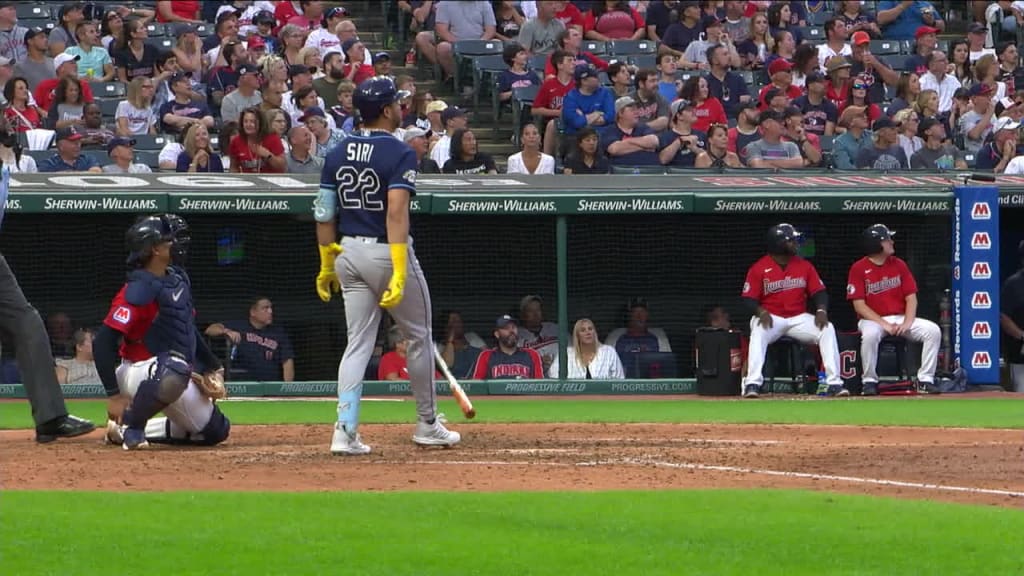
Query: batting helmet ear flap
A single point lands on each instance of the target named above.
(873, 236)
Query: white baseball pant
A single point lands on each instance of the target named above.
(186, 417)
(1017, 377)
(800, 327)
(924, 331)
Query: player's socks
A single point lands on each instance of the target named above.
(348, 408)
(144, 406)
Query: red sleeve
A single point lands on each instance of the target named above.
(127, 318)
(588, 22)
(597, 62)
(480, 370)
(638, 20)
(42, 94)
(855, 282)
(543, 99)
(86, 91)
(549, 68)
(814, 283)
(538, 364)
(760, 97)
(752, 285)
(273, 143)
(718, 116)
(235, 150)
(388, 365)
(909, 284)
(733, 134)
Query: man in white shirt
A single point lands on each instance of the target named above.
(937, 79)
(977, 33)
(323, 39)
(453, 118)
(121, 151)
(835, 41)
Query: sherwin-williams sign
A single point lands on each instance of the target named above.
(976, 282)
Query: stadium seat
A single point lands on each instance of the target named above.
(787, 352)
(747, 76)
(156, 29)
(971, 160)
(537, 63)
(890, 92)
(149, 142)
(164, 44)
(827, 143)
(150, 158)
(906, 47)
(27, 11)
(941, 44)
(44, 23)
(522, 98)
(472, 49)
(632, 47)
(812, 33)
(485, 71)
(643, 60)
(99, 155)
(204, 30)
(897, 62)
(108, 106)
(645, 170)
(594, 47)
(107, 89)
(885, 47)
(39, 155)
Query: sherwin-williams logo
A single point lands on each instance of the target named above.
(981, 301)
(981, 211)
(981, 331)
(981, 271)
(981, 241)
(981, 359)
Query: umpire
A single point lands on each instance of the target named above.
(20, 322)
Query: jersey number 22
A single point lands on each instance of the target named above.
(359, 189)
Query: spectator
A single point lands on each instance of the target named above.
(300, 157)
(66, 68)
(224, 78)
(857, 95)
(247, 95)
(784, 49)
(20, 113)
(976, 36)
(273, 92)
(907, 92)
(517, 75)
(1011, 319)
(637, 336)
(69, 17)
(312, 13)
(658, 17)
(178, 11)
(1009, 67)
(569, 40)
(58, 327)
(809, 144)
(508, 20)
(627, 142)
(869, 68)
(531, 160)
(937, 79)
(805, 62)
(737, 25)
(998, 153)
(613, 20)
(696, 55)
(960, 65)
(68, 157)
(292, 38)
(460, 349)
(759, 43)
(589, 104)
(899, 19)
(111, 30)
(668, 86)
(679, 35)
(327, 86)
(166, 67)
(886, 153)
(819, 114)
(570, 16)
(67, 106)
(777, 100)
(927, 104)
(277, 123)
(838, 70)
(651, 104)
(260, 350)
(12, 37)
(93, 131)
(508, 359)
(36, 65)
(547, 105)
(729, 87)
(326, 136)
(346, 30)
(535, 333)
(301, 77)
(255, 149)
(780, 22)
(456, 21)
(82, 368)
(621, 79)
(835, 41)
(182, 111)
(857, 20)
(343, 112)
(419, 140)
(771, 151)
(910, 124)
(539, 35)
(466, 157)
(134, 114)
(586, 157)
(172, 150)
(393, 364)
(132, 56)
(188, 50)
(717, 153)
(986, 71)
(323, 38)
(925, 42)
(707, 109)
(93, 59)
(976, 125)
(781, 73)
(122, 152)
(745, 130)
(935, 154)
(452, 118)
(588, 358)
(197, 155)
(356, 69)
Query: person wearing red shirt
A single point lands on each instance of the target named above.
(706, 108)
(255, 149)
(355, 68)
(781, 73)
(178, 11)
(66, 65)
(613, 20)
(393, 364)
(776, 292)
(285, 11)
(548, 102)
(884, 295)
(569, 40)
(570, 15)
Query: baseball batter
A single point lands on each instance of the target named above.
(150, 326)
(365, 190)
(884, 294)
(776, 292)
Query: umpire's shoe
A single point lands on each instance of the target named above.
(66, 426)
(435, 434)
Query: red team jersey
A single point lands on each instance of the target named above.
(551, 93)
(132, 321)
(782, 291)
(883, 288)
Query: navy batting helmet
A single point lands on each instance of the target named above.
(779, 238)
(873, 236)
(151, 231)
(373, 94)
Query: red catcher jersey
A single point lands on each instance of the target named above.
(883, 288)
(782, 291)
(133, 322)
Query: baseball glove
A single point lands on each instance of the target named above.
(211, 384)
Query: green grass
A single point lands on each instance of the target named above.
(972, 413)
(629, 533)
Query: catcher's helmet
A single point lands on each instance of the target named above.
(151, 231)
(373, 94)
(873, 236)
(779, 237)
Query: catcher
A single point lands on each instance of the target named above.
(166, 365)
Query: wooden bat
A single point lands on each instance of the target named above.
(460, 395)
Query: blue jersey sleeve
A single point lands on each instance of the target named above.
(404, 175)
(325, 207)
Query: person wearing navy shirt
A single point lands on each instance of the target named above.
(680, 144)
(1001, 148)
(627, 142)
(518, 75)
(820, 115)
(69, 156)
(680, 34)
(261, 351)
(507, 361)
(637, 337)
(180, 112)
(727, 86)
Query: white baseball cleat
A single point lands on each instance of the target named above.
(435, 434)
(347, 444)
(115, 433)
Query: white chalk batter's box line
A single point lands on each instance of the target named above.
(715, 468)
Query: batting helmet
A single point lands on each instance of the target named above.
(151, 231)
(779, 237)
(373, 94)
(873, 236)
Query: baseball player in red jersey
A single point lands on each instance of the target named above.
(884, 294)
(776, 291)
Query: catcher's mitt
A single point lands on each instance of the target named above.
(211, 384)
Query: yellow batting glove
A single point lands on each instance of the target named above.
(327, 280)
(396, 286)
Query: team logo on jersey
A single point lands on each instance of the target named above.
(981, 211)
(981, 301)
(981, 241)
(981, 331)
(410, 176)
(981, 359)
(122, 315)
(981, 271)
(850, 288)
(746, 287)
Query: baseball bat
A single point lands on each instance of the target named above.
(460, 395)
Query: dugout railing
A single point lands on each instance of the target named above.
(586, 245)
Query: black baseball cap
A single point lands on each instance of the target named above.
(504, 321)
(119, 141)
(177, 76)
(885, 122)
(32, 32)
(248, 69)
(297, 69)
(927, 124)
(451, 112)
(814, 77)
(771, 114)
(381, 56)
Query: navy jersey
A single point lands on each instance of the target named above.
(357, 175)
(261, 351)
